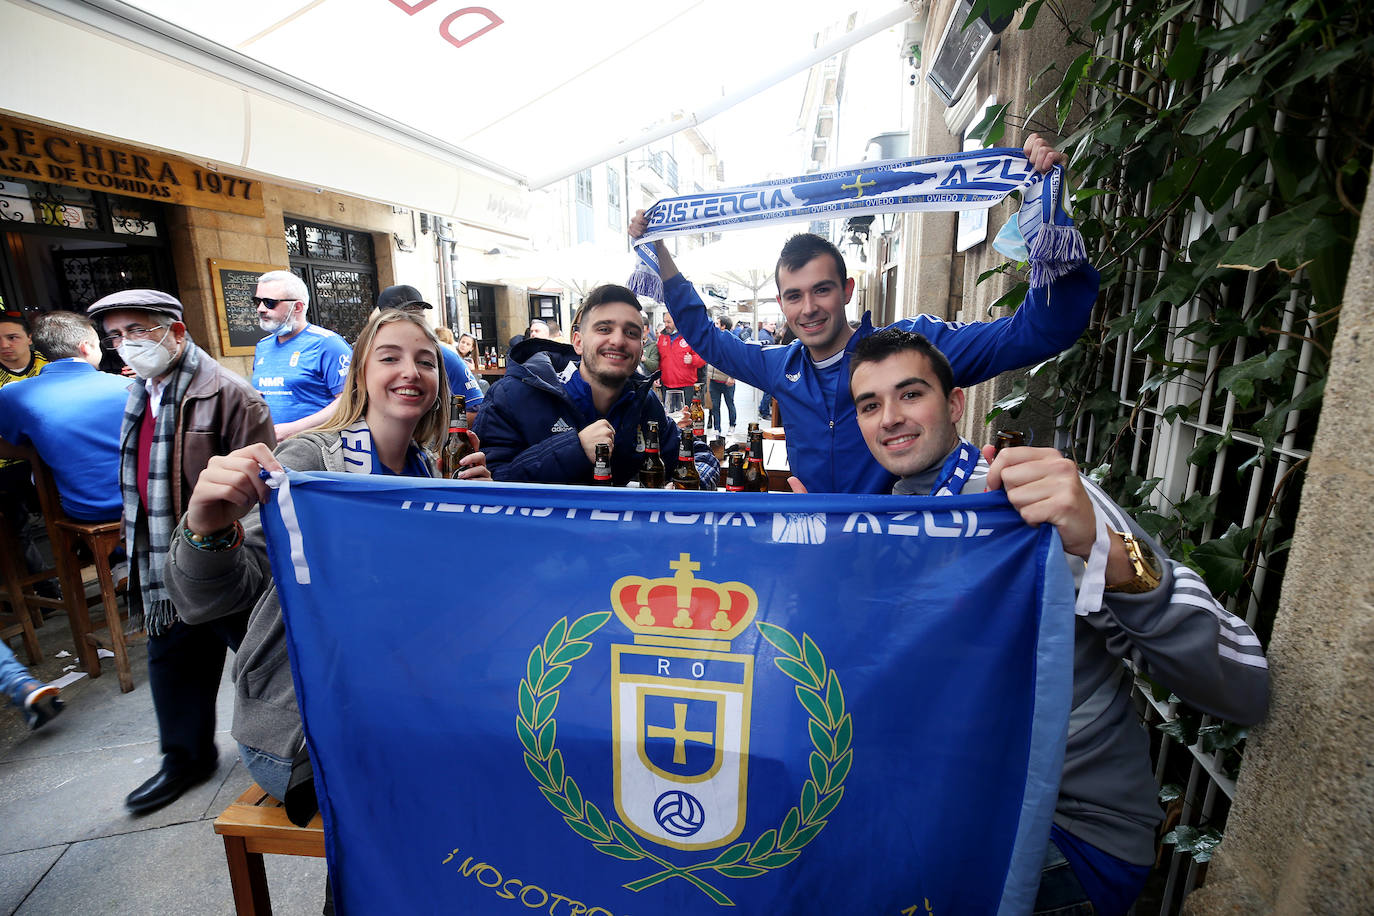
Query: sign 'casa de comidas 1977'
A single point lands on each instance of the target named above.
(35, 152)
(580, 702)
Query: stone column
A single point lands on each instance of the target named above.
(1300, 838)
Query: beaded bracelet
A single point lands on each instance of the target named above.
(227, 539)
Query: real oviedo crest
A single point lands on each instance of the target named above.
(681, 703)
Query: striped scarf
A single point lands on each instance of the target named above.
(973, 180)
(151, 541)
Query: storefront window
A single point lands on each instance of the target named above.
(338, 268)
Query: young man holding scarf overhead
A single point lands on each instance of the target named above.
(808, 378)
(1134, 603)
(187, 410)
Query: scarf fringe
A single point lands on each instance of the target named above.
(159, 618)
(645, 282)
(1056, 252)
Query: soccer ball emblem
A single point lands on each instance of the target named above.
(679, 813)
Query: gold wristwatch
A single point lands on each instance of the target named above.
(1148, 573)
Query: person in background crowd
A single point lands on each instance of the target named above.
(467, 349)
(461, 380)
(538, 330)
(18, 499)
(678, 363)
(1155, 613)
(299, 367)
(71, 414)
(392, 416)
(39, 702)
(556, 332)
(722, 387)
(765, 338)
(557, 402)
(187, 410)
(445, 338)
(648, 363)
(824, 447)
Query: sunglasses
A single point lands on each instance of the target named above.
(270, 303)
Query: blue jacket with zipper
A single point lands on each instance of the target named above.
(529, 423)
(824, 448)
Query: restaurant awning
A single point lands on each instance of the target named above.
(406, 101)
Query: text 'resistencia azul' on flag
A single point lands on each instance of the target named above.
(577, 701)
(972, 180)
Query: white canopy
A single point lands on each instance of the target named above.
(407, 101)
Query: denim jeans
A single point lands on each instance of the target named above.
(14, 677)
(269, 771)
(1060, 893)
(721, 390)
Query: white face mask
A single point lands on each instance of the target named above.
(277, 329)
(148, 358)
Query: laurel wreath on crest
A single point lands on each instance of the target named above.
(831, 729)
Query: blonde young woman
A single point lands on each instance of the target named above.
(392, 415)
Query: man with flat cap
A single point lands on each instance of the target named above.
(460, 377)
(186, 410)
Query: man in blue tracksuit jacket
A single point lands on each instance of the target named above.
(541, 423)
(810, 377)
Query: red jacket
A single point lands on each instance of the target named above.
(677, 361)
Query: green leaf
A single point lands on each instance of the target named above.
(570, 653)
(534, 668)
(547, 735)
(1032, 11)
(821, 739)
(1013, 296)
(537, 771)
(741, 871)
(1197, 510)
(814, 705)
(588, 624)
(766, 843)
(1206, 447)
(777, 859)
(556, 768)
(597, 820)
(1275, 423)
(834, 699)
(797, 672)
(555, 637)
(553, 677)
(545, 709)
(1176, 730)
(1290, 240)
(1218, 106)
(1222, 736)
(559, 802)
(625, 837)
(826, 805)
(526, 702)
(1322, 64)
(811, 654)
(1187, 53)
(1073, 74)
(1222, 560)
(780, 639)
(808, 800)
(732, 855)
(840, 770)
(790, 823)
(1170, 791)
(990, 130)
(844, 734)
(1240, 378)
(526, 737)
(585, 831)
(574, 794)
(804, 836)
(819, 771)
(619, 852)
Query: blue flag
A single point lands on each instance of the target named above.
(574, 700)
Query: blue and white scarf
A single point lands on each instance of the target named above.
(973, 180)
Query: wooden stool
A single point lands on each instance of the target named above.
(99, 538)
(256, 823)
(19, 619)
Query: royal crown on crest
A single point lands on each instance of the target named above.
(683, 605)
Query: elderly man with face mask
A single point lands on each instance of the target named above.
(187, 409)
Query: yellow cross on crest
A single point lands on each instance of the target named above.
(858, 185)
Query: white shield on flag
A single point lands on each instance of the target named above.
(680, 726)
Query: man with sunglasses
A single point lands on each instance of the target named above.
(299, 368)
(187, 410)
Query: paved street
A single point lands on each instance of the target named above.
(67, 845)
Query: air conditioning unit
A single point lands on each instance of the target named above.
(961, 51)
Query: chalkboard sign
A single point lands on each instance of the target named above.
(234, 284)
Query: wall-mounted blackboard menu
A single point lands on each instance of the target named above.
(234, 284)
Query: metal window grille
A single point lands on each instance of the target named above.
(1163, 424)
(613, 197)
